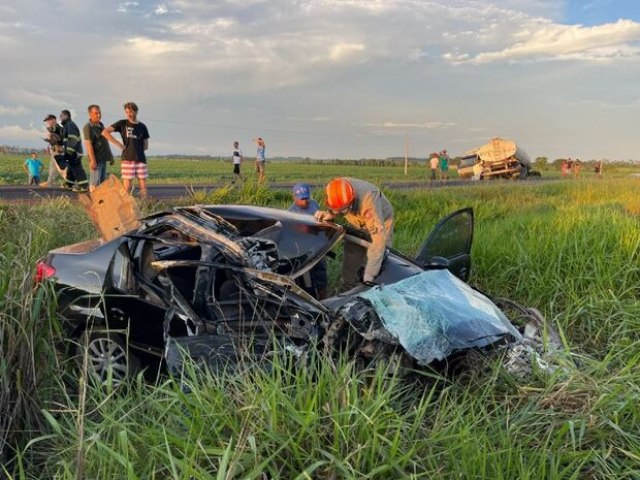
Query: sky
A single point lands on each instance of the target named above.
(331, 78)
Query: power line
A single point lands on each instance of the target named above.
(260, 129)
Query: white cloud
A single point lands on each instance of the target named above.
(143, 46)
(309, 119)
(127, 6)
(234, 45)
(370, 6)
(401, 125)
(13, 111)
(345, 51)
(161, 9)
(36, 99)
(7, 11)
(339, 66)
(547, 40)
(15, 134)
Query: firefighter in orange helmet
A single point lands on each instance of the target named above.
(366, 208)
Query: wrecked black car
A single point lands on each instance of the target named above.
(223, 283)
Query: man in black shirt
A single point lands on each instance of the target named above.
(97, 148)
(135, 140)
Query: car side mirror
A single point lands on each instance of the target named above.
(436, 263)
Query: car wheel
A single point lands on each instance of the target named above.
(107, 358)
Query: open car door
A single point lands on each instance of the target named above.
(451, 239)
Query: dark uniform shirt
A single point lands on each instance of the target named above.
(71, 143)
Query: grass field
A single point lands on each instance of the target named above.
(186, 171)
(207, 171)
(568, 248)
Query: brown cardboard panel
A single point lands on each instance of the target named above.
(112, 209)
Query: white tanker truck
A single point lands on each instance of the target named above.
(500, 158)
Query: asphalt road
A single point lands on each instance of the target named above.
(19, 193)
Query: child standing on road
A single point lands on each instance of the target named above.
(33, 166)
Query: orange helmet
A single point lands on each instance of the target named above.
(340, 194)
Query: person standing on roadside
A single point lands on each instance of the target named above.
(261, 158)
(72, 154)
(54, 139)
(433, 165)
(237, 160)
(33, 166)
(135, 141)
(444, 165)
(576, 168)
(97, 146)
(597, 169)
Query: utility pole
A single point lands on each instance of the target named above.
(406, 153)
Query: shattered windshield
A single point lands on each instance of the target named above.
(434, 314)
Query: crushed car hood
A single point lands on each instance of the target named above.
(301, 240)
(432, 315)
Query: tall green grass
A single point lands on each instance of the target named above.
(568, 248)
(27, 361)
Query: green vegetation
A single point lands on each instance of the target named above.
(568, 248)
(203, 171)
(209, 171)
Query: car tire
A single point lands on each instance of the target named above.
(107, 357)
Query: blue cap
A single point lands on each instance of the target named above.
(301, 191)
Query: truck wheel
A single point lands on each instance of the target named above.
(107, 358)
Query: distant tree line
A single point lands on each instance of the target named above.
(368, 162)
(13, 150)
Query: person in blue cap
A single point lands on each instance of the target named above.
(302, 201)
(314, 282)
